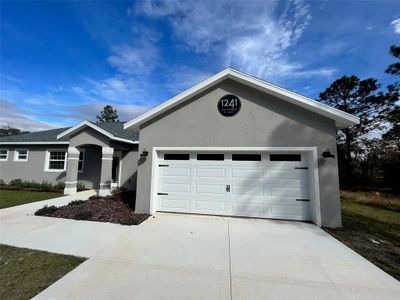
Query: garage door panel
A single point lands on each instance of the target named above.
(211, 172)
(210, 205)
(286, 174)
(247, 173)
(175, 171)
(290, 210)
(210, 189)
(173, 204)
(248, 208)
(245, 190)
(175, 187)
(288, 192)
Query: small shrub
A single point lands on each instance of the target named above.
(80, 186)
(2, 183)
(76, 202)
(94, 197)
(83, 215)
(16, 182)
(59, 186)
(45, 210)
(118, 190)
(46, 186)
(131, 221)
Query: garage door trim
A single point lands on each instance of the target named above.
(312, 158)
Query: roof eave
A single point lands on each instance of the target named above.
(342, 119)
(86, 123)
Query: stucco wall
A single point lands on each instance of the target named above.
(33, 169)
(263, 121)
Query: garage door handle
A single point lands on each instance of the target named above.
(163, 165)
(301, 168)
(162, 194)
(305, 200)
(228, 188)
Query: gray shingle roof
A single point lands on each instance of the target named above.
(116, 129)
(39, 136)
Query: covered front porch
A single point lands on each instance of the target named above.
(95, 167)
(96, 156)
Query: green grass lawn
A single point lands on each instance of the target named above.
(24, 273)
(372, 230)
(10, 198)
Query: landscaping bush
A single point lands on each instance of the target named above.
(94, 197)
(132, 221)
(118, 190)
(59, 186)
(19, 184)
(45, 210)
(76, 202)
(16, 182)
(46, 186)
(2, 183)
(83, 215)
(80, 186)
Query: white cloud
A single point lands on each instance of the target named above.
(14, 116)
(396, 25)
(255, 37)
(183, 77)
(138, 58)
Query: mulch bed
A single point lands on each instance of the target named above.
(112, 209)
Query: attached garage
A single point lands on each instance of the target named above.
(263, 184)
(235, 145)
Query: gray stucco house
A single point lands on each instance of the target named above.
(231, 145)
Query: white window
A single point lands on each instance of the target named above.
(81, 160)
(56, 160)
(21, 155)
(3, 154)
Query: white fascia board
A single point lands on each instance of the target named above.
(34, 143)
(342, 119)
(97, 128)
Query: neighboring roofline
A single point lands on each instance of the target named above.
(342, 119)
(34, 143)
(97, 128)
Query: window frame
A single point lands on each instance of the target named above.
(16, 155)
(47, 161)
(81, 160)
(7, 151)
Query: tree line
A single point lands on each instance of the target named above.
(369, 153)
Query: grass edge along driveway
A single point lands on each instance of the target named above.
(371, 227)
(25, 273)
(9, 198)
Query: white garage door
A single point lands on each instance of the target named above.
(267, 185)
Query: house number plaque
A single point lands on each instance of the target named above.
(229, 105)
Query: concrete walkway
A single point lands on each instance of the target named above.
(199, 257)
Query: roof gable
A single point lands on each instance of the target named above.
(114, 131)
(342, 119)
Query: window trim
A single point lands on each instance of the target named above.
(47, 160)
(16, 155)
(83, 160)
(4, 159)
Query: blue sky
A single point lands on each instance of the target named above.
(61, 62)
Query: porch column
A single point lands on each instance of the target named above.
(71, 178)
(106, 171)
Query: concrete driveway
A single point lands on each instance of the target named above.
(200, 257)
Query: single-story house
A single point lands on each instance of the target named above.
(231, 145)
